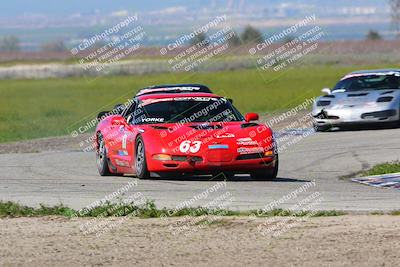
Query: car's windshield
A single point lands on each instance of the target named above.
(186, 110)
(368, 82)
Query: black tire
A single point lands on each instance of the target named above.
(323, 128)
(267, 174)
(140, 160)
(398, 122)
(101, 157)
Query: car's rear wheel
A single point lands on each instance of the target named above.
(266, 174)
(101, 157)
(140, 160)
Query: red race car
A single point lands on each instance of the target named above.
(183, 129)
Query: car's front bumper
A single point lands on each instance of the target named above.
(347, 116)
(237, 164)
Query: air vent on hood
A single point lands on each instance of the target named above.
(355, 95)
(206, 127)
(387, 92)
(323, 103)
(249, 124)
(157, 127)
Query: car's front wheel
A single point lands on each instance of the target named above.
(398, 122)
(322, 128)
(266, 174)
(140, 160)
(101, 157)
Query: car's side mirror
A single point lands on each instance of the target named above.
(251, 117)
(326, 91)
(118, 121)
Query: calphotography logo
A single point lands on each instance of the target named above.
(102, 51)
(205, 44)
(199, 218)
(292, 49)
(295, 214)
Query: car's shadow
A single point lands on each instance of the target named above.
(221, 177)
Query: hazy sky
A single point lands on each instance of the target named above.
(63, 7)
(18, 7)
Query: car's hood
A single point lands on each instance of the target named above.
(173, 133)
(359, 97)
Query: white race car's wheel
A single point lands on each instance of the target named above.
(322, 128)
(398, 122)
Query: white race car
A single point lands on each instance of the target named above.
(361, 97)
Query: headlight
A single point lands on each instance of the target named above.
(385, 99)
(323, 103)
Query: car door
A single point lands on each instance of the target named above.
(124, 142)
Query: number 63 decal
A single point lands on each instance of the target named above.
(188, 146)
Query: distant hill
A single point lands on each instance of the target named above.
(35, 22)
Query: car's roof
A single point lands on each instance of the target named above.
(375, 71)
(173, 95)
(372, 72)
(174, 88)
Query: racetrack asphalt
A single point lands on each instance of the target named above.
(71, 178)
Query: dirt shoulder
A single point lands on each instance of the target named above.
(58, 143)
(353, 240)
